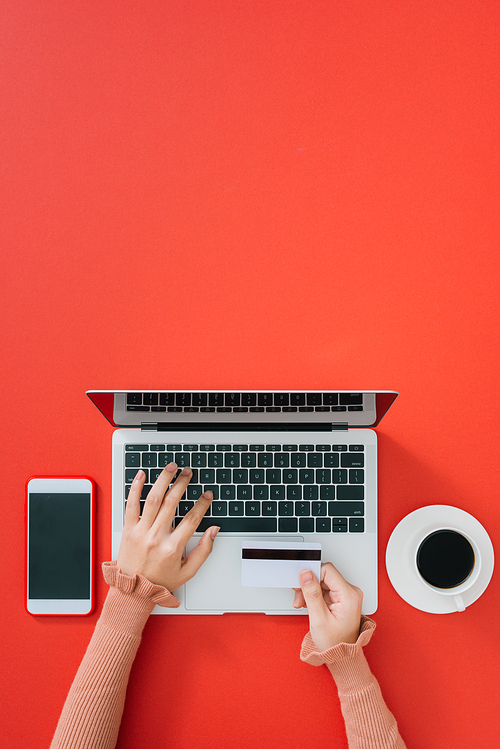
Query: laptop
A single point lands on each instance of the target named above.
(292, 466)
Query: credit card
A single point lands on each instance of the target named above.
(277, 564)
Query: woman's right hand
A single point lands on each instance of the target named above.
(334, 607)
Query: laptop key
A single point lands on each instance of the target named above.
(273, 476)
(286, 508)
(290, 476)
(266, 460)
(327, 492)
(331, 460)
(293, 492)
(236, 508)
(276, 492)
(346, 509)
(269, 508)
(356, 525)
(223, 476)
(351, 399)
(252, 509)
(215, 460)
(306, 476)
(314, 399)
(356, 476)
(133, 460)
(198, 460)
(287, 525)
(351, 492)
(318, 509)
(131, 473)
(310, 492)
(240, 475)
(238, 524)
(302, 508)
(149, 460)
(164, 459)
(352, 460)
(323, 525)
(315, 460)
(248, 460)
(219, 508)
(282, 460)
(306, 525)
(184, 507)
(134, 399)
(323, 476)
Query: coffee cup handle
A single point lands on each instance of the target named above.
(459, 601)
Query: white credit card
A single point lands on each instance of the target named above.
(276, 564)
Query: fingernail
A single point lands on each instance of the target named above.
(186, 472)
(171, 467)
(306, 577)
(207, 495)
(139, 475)
(214, 532)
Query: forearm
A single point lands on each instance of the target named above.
(93, 709)
(368, 721)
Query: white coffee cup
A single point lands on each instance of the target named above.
(455, 590)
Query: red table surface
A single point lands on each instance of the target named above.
(253, 195)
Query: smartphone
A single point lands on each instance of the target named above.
(60, 533)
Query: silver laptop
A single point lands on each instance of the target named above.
(283, 465)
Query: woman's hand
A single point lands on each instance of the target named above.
(150, 544)
(334, 607)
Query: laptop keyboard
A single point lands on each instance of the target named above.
(243, 402)
(263, 488)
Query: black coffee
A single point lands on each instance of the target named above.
(445, 559)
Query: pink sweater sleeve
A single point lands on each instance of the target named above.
(93, 709)
(368, 721)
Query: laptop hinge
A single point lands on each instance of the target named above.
(164, 426)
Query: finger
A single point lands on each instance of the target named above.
(174, 496)
(298, 601)
(193, 518)
(332, 580)
(133, 508)
(313, 595)
(154, 500)
(200, 553)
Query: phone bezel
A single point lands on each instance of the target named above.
(62, 485)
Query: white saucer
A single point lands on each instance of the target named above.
(403, 546)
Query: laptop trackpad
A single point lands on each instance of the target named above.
(217, 585)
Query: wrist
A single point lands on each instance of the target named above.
(131, 599)
(310, 653)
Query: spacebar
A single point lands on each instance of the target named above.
(240, 524)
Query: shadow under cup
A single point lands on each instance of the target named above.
(445, 559)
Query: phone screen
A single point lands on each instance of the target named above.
(59, 553)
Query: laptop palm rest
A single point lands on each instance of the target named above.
(217, 586)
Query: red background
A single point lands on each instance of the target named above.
(255, 195)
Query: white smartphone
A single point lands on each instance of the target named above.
(60, 545)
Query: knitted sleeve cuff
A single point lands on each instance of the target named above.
(130, 600)
(139, 586)
(310, 654)
(346, 662)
